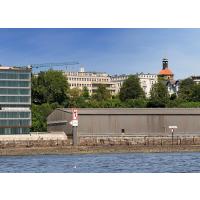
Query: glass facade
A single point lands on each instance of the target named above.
(15, 100)
(14, 115)
(9, 131)
(8, 83)
(15, 91)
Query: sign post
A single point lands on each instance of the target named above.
(172, 132)
(74, 124)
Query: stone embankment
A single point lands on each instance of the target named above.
(58, 143)
(140, 140)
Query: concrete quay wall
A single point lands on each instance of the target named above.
(34, 136)
(34, 140)
(139, 140)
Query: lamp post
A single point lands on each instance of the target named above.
(172, 132)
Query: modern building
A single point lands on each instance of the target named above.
(15, 100)
(90, 79)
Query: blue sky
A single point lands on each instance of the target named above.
(114, 51)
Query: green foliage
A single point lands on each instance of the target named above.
(101, 94)
(189, 105)
(131, 89)
(186, 89)
(40, 114)
(85, 92)
(136, 103)
(159, 95)
(50, 90)
(196, 93)
(49, 87)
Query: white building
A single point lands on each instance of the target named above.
(146, 81)
(118, 80)
(196, 79)
(91, 80)
(172, 87)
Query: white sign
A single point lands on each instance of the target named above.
(74, 114)
(173, 127)
(74, 122)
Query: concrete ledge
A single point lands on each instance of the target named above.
(34, 137)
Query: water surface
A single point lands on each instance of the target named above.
(103, 163)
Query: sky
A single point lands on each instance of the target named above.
(115, 51)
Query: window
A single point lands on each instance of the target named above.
(122, 130)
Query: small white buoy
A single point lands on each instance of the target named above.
(74, 167)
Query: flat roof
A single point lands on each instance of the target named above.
(14, 68)
(133, 111)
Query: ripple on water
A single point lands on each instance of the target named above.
(102, 163)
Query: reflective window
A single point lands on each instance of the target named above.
(14, 83)
(7, 131)
(15, 99)
(15, 91)
(18, 122)
(15, 114)
(14, 75)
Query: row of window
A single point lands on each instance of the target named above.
(15, 75)
(10, 131)
(80, 85)
(86, 74)
(15, 91)
(15, 99)
(147, 76)
(119, 78)
(15, 114)
(19, 122)
(89, 79)
(14, 83)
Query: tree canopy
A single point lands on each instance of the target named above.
(51, 90)
(49, 87)
(131, 89)
(186, 89)
(85, 92)
(102, 93)
(159, 95)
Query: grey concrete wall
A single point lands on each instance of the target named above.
(150, 122)
(58, 121)
(138, 124)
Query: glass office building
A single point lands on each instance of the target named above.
(15, 100)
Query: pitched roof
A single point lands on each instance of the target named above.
(166, 71)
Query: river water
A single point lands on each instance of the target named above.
(103, 163)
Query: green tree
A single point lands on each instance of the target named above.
(101, 93)
(186, 89)
(76, 98)
(40, 114)
(159, 95)
(131, 89)
(49, 87)
(196, 92)
(136, 103)
(85, 92)
(75, 93)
